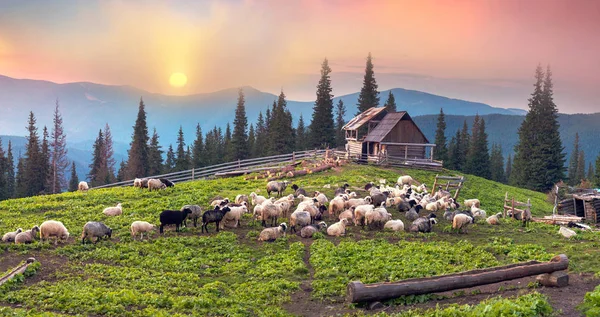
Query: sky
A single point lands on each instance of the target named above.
(477, 50)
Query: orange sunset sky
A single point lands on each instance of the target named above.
(480, 50)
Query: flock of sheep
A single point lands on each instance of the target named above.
(305, 212)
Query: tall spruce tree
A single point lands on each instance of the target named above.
(539, 158)
(122, 171)
(597, 172)
(198, 151)
(228, 145)
(478, 158)
(590, 172)
(3, 173)
(58, 157)
(108, 157)
(573, 163)
(369, 96)
(463, 146)
(181, 162)
(581, 167)
(97, 167)
(453, 152)
(251, 140)
(239, 139)
(45, 164)
(74, 179)
(20, 181)
(508, 171)
(441, 151)
(281, 134)
(10, 172)
(322, 126)
(210, 148)
(261, 137)
(340, 112)
(497, 164)
(155, 159)
(137, 161)
(300, 135)
(390, 103)
(34, 173)
(170, 161)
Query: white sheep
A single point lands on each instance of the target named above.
(321, 198)
(53, 228)
(27, 236)
(360, 213)
(270, 234)
(219, 202)
(434, 206)
(137, 183)
(478, 213)
(233, 216)
(83, 186)
(347, 214)
(358, 202)
(472, 202)
(336, 205)
(309, 231)
(460, 222)
(377, 217)
(241, 198)
(141, 227)
(10, 236)
(113, 211)
(493, 219)
(338, 229)
(257, 199)
(406, 179)
(268, 211)
(194, 216)
(155, 184)
(300, 218)
(395, 225)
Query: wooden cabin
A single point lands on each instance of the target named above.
(583, 203)
(377, 135)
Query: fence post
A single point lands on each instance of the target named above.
(293, 157)
(193, 169)
(239, 164)
(406, 152)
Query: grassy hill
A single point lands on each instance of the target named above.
(231, 273)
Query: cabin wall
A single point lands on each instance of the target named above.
(411, 153)
(354, 147)
(405, 131)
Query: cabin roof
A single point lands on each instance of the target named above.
(363, 118)
(384, 127)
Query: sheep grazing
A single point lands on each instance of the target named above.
(478, 213)
(155, 184)
(523, 216)
(449, 215)
(10, 236)
(472, 202)
(406, 179)
(93, 229)
(137, 183)
(419, 189)
(494, 219)
(271, 234)
(52, 228)
(413, 213)
(27, 236)
(167, 182)
(270, 211)
(434, 206)
(83, 186)
(141, 227)
(358, 202)
(194, 216)
(360, 212)
(215, 215)
(460, 222)
(406, 205)
(378, 198)
(309, 231)
(321, 198)
(394, 225)
(239, 199)
(113, 211)
(257, 199)
(338, 229)
(298, 190)
(423, 224)
(220, 202)
(341, 190)
(347, 214)
(275, 186)
(377, 218)
(300, 218)
(173, 217)
(336, 205)
(233, 216)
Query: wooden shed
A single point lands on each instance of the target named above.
(377, 135)
(584, 204)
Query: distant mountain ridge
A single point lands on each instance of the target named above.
(87, 107)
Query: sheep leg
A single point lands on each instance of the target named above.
(195, 220)
(218, 223)
(176, 227)
(264, 223)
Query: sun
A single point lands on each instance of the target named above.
(178, 80)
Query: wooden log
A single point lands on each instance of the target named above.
(358, 292)
(554, 279)
(296, 173)
(320, 168)
(18, 270)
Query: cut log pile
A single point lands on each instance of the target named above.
(288, 171)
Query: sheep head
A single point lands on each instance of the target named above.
(109, 232)
(283, 226)
(35, 230)
(323, 225)
(433, 221)
(295, 187)
(19, 230)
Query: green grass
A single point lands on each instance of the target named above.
(233, 274)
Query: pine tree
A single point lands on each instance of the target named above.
(10, 172)
(74, 181)
(251, 140)
(508, 168)
(322, 126)
(155, 159)
(45, 162)
(181, 162)
(497, 164)
(390, 103)
(170, 161)
(239, 139)
(369, 96)
(209, 148)
(107, 157)
(188, 157)
(281, 135)
(58, 160)
(122, 171)
(581, 167)
(33, 174)
(478, 158)
(539, 158)
(137, 162)
(453, 152)
(3, 172)
(198, 152)
(300, 135)
(597, 172)
(573, 162)
(463, 144)
(340, 112)
(590, 172)
(97, 167)
(440, 151)
(228, 145)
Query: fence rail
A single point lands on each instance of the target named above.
(209, 171)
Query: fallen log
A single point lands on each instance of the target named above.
(296, 173)
(554, 279)
(320, 168)
(358, 292)
(18, 270)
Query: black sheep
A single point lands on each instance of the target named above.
(406, 205)
(299, 190)
(341, 190)
(173, 217)
(167, 182)
(319, 214)
(379, 198)
(215, 215)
